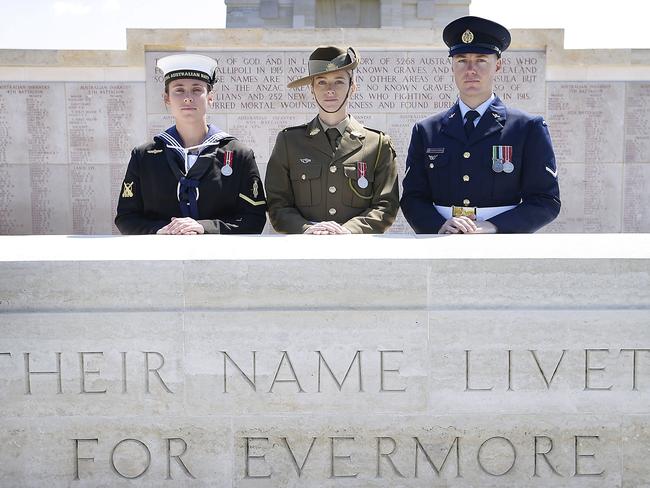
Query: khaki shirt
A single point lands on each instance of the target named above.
(306, 183)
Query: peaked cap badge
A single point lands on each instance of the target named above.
(467, 37)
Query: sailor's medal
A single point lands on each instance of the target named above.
(226, 169)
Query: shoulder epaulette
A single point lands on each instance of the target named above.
(375, 130)
(301, 126)
(152, 147)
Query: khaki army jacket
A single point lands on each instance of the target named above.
(307, 183)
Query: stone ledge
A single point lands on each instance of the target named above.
(296, 247)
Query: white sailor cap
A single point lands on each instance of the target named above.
(194, 66)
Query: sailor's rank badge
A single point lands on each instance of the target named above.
(127, 192)
(154, 151)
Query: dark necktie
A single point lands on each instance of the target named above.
(469, 121)
(333, 135)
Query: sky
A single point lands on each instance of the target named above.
(101, 24)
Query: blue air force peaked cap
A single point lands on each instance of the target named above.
(475, 35)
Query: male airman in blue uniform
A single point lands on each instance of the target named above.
(480, 167)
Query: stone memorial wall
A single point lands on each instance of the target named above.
(63, 154)
(354, 361)
(65, 143)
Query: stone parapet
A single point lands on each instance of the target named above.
(383, 361)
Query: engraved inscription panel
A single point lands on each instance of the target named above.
(252, 84)
(636, 202)
(585, 121)
(637, 122)
(72, 138)
(32, 123)
(105, 120)
(51, 211)
(15, 200)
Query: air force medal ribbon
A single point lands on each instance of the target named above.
(502, 159)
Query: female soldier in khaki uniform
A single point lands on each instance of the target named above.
(332, 175)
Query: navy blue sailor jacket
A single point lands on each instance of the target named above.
(446, 168)
(157, 186)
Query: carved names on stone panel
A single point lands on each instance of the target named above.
(586, 124)
(636, 179)
(591, 197)
(91, 188)
(636, 200)
(15, 199)
(105, 120)
(585, 121)
(637, 122)
(63, 133)
(33, 135)
(50, 199)
(32, 123)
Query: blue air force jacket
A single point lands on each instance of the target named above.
(446, 168)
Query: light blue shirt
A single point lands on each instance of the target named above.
(480, 109)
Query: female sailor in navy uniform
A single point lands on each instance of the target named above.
(193, 178)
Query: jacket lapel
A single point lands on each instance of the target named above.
(317, 135)
(492, 121)
(452, 124)
(352, 139)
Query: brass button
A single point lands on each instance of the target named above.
(332, 169)
(466, 154)
(332, 189)
(431, 165)
(465, 177)
(466, 202)
(303, 177)
(332, 211)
